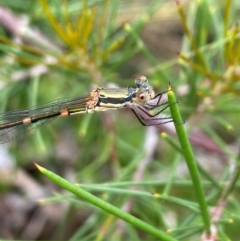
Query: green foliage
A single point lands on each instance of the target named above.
(67, 48)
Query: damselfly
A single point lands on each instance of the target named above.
(145, 105)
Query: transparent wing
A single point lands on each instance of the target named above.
(12, 126)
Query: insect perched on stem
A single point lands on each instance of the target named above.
(145, 105)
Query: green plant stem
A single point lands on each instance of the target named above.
(105, 205)
(189, 157)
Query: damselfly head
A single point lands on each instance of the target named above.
(142, 83)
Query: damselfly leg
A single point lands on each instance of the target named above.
(147, 119)
(150, 113)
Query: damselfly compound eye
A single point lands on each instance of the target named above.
(141, 81)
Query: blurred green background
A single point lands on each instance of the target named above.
(56, 49)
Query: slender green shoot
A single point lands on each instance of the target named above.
(189, 157)
(105, 205)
